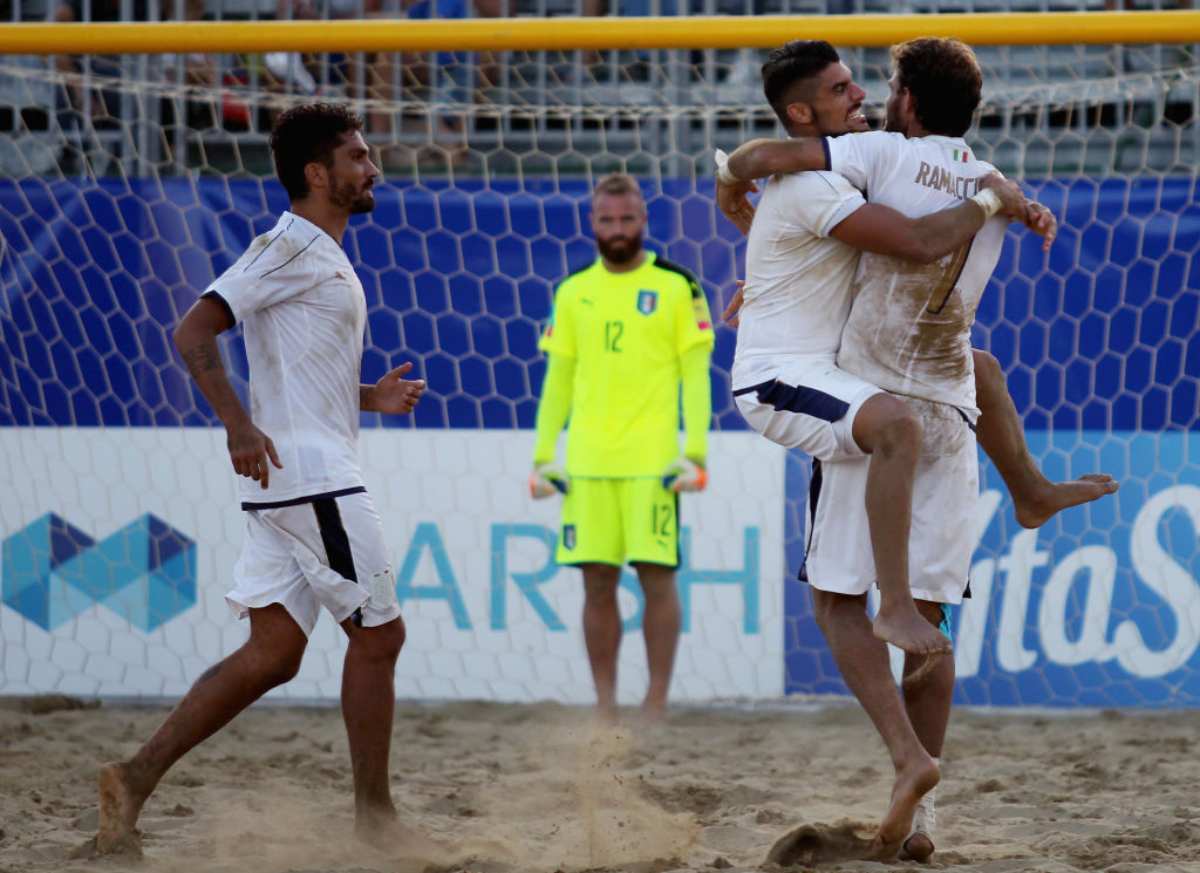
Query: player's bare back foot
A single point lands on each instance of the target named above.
(1057, 496)
(383, 830)
(653, 712)
(912, 783)
(918, 847)
(908, 630)
(120, 804)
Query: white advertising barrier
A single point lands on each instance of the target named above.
(489, 614)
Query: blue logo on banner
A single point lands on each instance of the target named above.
(145, 572)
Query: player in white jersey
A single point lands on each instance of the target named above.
(801, 257)
(928, 359)
(313, 537)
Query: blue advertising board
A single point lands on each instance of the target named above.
(1099, 342)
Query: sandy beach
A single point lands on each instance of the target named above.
(539, 788)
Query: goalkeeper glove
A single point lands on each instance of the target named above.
(546, 480)
(685, 475)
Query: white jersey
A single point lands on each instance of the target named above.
(909, 330)
(303, 312)
(798, 278)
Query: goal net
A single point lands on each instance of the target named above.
(127, 183)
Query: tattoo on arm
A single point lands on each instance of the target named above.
(202, 358)
(364, 397)
(203, 361)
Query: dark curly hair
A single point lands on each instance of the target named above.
(945, 82)
(796, 61)
(308, 133)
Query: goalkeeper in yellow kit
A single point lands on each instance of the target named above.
(626, 332)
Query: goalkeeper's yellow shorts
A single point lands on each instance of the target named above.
(619, 521)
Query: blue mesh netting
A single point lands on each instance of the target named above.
(1099, 341)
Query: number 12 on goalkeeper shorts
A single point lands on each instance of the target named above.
(662, 519)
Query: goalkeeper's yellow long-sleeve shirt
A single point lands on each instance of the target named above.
(620, 345)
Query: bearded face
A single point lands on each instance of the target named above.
(352, 176)
(619, 222)
(353, 196)
(895, 121)
(620, 249)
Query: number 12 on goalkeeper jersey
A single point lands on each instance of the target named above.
(628, 334)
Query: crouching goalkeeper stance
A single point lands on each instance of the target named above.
(627, 331)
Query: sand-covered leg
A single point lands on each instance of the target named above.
(912, 783)
(120, 805)
(919, 845)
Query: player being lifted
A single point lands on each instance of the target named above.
(626, 332)
(801, 256)
(799, 265)
(790, 389)
(312, 537)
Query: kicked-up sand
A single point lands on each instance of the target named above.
(538, 788)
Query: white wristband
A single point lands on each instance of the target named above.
(724, 177)
(989, 202)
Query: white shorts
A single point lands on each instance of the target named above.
(809, 405)
(839, 556)
(325, 552)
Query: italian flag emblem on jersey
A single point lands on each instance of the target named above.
(961, 156)
(647, 302)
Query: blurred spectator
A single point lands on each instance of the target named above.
(101, 10)
(633, 7)
(203, 72)
(291, 71)
(437, 78)
(103, 102)
(454, 67)
(1152, 59)
(197, 68)
(87, 110)
(1112, 5)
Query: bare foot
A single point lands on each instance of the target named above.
(120, 805)
(653, 712)
(1057, 496)
(907, 630)
(606, 715)
(382, 830)
(912, 783)
(918, 847)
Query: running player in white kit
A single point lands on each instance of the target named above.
(313, 538)
(909, 333)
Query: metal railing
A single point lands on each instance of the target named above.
(670, 106)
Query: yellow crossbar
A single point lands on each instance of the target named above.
(504, 34)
